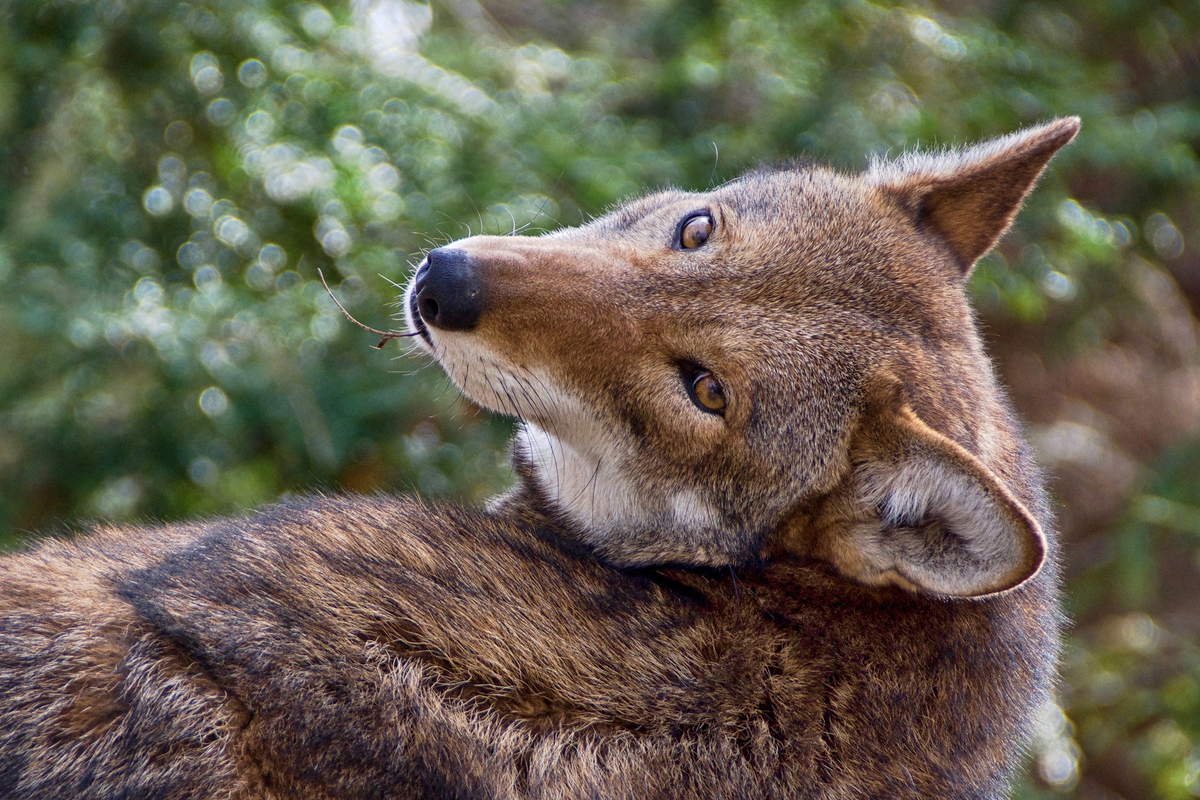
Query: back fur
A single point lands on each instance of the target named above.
(354, 647)
(842, 586)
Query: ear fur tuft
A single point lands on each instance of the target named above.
(969, 197)
(919, 511)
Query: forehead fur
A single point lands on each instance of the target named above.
(797, 164)
(786, 188)
(768, 186)
(788, 235)
(787, 194)
(629, 214)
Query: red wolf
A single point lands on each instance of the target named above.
(776, 534)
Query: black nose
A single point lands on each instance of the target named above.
(449, 291)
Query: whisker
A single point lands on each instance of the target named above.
(482, 225)
(526, 389)
(500, 400)
(551, 419)
(456, 394)
(595, 482)
(457, 222)
(591, 482)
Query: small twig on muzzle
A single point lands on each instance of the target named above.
(385, 334)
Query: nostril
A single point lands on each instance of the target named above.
(429, 308)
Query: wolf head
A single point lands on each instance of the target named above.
(785, 363)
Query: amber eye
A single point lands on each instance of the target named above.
(708, 393)
(695, 231)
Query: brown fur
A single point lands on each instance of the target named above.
(843, 587)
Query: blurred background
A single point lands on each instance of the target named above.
(172, 175)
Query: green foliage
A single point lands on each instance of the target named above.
(173, 174)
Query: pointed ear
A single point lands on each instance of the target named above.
(920, 511)
(969, 197)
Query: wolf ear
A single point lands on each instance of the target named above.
(920, 511)
(969, 197)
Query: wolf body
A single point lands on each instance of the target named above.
(776, 534)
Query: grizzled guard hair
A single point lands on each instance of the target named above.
(776, 534)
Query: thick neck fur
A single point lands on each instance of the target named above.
(600, 499)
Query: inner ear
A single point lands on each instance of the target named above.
(969, 197)
(920, 511)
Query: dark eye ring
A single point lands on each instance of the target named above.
(694, 230)
(707, 392)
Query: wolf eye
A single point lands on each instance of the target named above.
(707, 393)
(694, 231)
